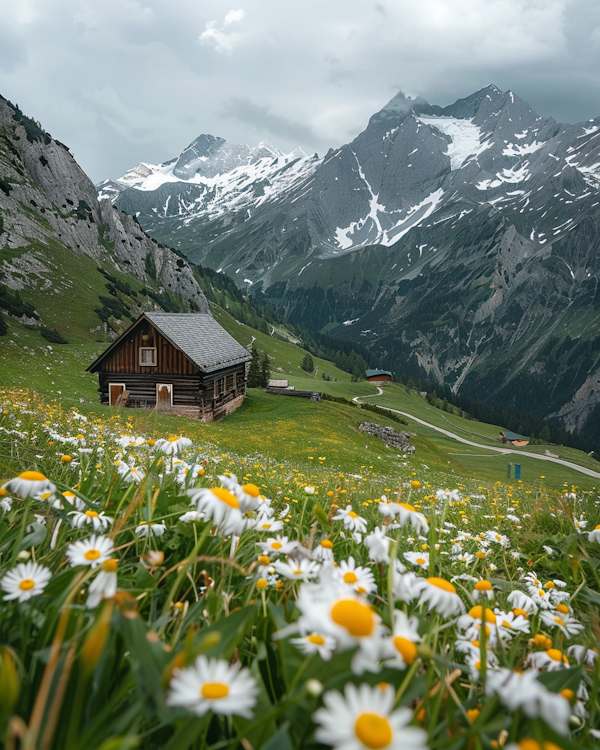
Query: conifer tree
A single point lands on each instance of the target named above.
(308, 364)
(265, 370)
(254, 373)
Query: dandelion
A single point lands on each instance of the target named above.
(29, 484)
(93, 551)
(25, 581)
(362, 719)
(213, 685)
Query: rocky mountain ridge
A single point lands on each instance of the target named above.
(460, 243)
(57, 239)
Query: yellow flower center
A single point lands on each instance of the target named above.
(416, 484)
(32, 476)
(352, 514)
(477, 613)
(261, 583)
(174, 439)
(350, 577)
(266, 526)
(562, 608)
(550, 585)
(441, 583)
(353, 616)
(521, 612)
(263, 560)
(92, 554)
(327, 544)
(318, 640)
(276, 545)
(214, 691)
(557, 655)
(406, 648)
(373, 730)
(407, 506)
(483, 586)
(91, 514)
(251, 489)
(110, 566)
(226, 497)
(26, 584)
(420, 561)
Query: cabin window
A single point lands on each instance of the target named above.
(148, 356)
(229, 383)
(219, 386)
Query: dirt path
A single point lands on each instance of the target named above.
(518, 452)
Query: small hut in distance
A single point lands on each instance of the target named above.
(378, 377)
(184, 364)
(519, 441)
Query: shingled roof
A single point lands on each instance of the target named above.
(206, 343)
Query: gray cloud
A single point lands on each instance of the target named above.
(263, 120)
(127, 80)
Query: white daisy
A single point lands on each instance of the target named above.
(418, 558)
(315, 643)
(263, 523)
(331, 607)
(441, 596)
(378, 545)
(362, 719)
(567, 624)
(324, 551)
(104, 585)
(221, 506)
(552, 660)
(407, 513)
(213, 685)
(361, 579)
(594, 536)
(98, 521)
(25, 581)
(297, 570)
(93, 551)
(583, 655)
(351, 520)
(523, 691)
(29, 484)
(130, 473)
(278, 546)
(483, 589)
(248, 495)
(399, 648)
(406, 586)
(147, 528)
(173, 446)
(520, 600)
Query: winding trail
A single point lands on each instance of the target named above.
(569, 464)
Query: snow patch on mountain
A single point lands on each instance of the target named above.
(466, 138)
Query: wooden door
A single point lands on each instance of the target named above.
(164, 396)
(114, 391)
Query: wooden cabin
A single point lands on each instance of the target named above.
(184, 364)
(379, 377)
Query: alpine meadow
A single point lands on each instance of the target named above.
(296, 451)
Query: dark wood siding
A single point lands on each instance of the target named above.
(125, 357)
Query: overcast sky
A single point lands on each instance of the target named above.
(122, 81)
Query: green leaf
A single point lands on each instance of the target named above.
(561, 679)
(36, 537)
(280, 740)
